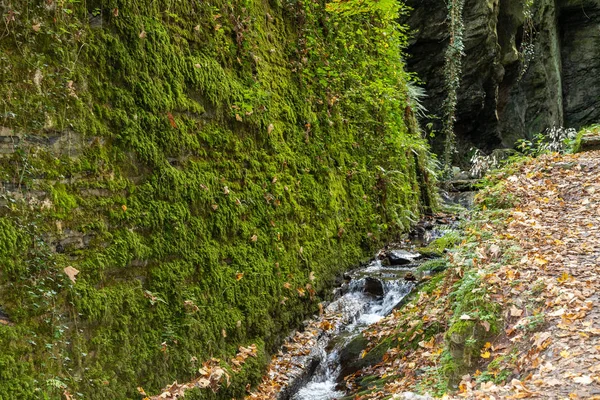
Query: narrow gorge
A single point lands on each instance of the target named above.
(184, 182)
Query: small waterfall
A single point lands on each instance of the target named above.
(371, 296)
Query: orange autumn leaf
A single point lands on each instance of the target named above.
(172, 120)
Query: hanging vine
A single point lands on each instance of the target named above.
(527, 48)
(453, 64)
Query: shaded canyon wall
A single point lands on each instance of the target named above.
(520, 75)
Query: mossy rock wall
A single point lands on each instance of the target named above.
(208, 167)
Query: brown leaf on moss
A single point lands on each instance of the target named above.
(172, 120)
(71, 273)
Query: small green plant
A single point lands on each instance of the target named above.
(555, 139)
(533, 323)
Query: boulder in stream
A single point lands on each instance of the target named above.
(351, 360)
(373, 287)
(402, 257)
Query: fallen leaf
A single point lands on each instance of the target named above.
(486, 325)
(584, 380)
(427, 345)
(515, 312)
(553, 382)
(71, 273)
(540, 261)
(171, 120)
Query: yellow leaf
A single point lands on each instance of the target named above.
(564, 277)
(565, 354)
(540, 261)
(486, 354)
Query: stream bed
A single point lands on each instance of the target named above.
(367, 295)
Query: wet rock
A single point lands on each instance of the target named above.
(402, 257)
(297, 381)
(350, 356)
(410, 277)
(4, 318)
(373, 287)
(578, 24)
(463, 185)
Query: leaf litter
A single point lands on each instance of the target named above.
(556, 277)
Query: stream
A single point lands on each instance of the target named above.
(367, 295)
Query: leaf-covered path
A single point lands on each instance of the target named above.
(540, 262)
(557, 226)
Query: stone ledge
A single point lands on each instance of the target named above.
(589, 143)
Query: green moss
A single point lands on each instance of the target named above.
(433, 267)
(438, 246)
(166, 148)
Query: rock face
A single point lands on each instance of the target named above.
(520, 74)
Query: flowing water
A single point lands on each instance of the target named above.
(361, 307)
(371, 293)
